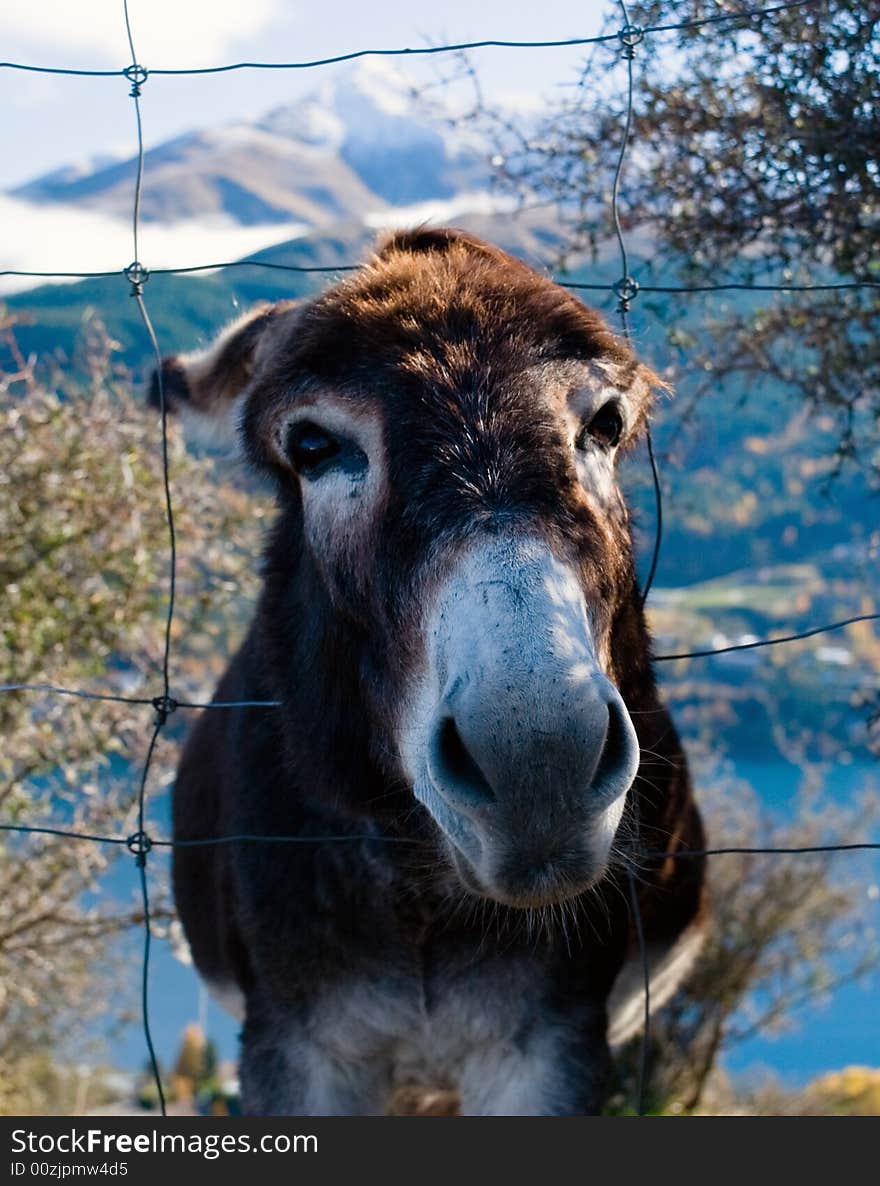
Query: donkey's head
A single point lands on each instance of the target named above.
(450, 586)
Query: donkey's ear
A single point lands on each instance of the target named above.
(206, 386)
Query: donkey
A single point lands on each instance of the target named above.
(466, 740)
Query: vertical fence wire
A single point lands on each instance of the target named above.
(137, 276)
(626, 290)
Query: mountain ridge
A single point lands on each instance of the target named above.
(355, 145)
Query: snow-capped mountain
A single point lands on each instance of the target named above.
(373, 123)
(353, 147)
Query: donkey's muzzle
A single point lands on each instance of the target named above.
(530, 751)
(540, 799)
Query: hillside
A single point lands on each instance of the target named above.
(352, 147)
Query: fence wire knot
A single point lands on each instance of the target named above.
(137, 76)
(164, 706)
(630, 36)
(626, 289)
(139, 844)
(137, 276)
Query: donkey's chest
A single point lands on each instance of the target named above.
(418, 1028)
(487, 1037)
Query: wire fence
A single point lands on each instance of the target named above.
(625, 289)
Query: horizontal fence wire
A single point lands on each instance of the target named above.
(625, 290)
(141, 838)
(171, 704)
(769, 642)
(411, 51)
(333, 269)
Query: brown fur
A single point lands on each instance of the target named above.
(471, 365)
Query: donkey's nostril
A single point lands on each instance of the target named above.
(456, 773)
(615, 748)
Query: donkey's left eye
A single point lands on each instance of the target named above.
(605, 429)
(310, 447)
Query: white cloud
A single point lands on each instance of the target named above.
(168, 33)
(58, 238)
(439, 210)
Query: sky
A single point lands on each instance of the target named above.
(50, 120)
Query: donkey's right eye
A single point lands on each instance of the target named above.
(310, 448)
